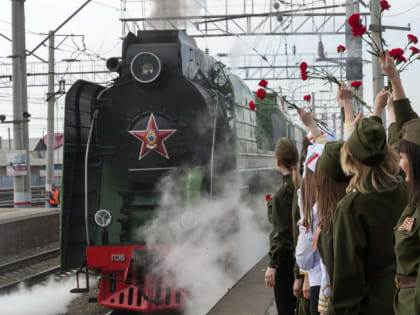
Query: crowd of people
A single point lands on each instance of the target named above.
(346, 237)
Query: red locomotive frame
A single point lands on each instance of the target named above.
(119, 288)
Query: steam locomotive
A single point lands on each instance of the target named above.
(171, 105)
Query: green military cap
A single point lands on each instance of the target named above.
(368, 143)
(329, 162)
(411, 131)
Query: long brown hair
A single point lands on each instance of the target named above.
(328, 193)
(413, 155)
(307, 194)
(365, 177)
(303, 152)
(288, 156)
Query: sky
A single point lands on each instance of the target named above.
(99, 23)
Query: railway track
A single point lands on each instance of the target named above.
(30, 270)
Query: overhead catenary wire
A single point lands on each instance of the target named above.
(405, 11)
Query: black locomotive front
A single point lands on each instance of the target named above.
(169, 107)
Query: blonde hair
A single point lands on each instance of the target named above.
(380, 177)
(288, 156)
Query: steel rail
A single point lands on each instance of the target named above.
(27, 261)
(29, 281)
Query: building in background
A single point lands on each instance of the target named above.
(38, 152)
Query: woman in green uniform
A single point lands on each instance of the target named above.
(364, 259)
(407, 231)
(330, 187)
(279, 273)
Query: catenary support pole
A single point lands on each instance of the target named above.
(21, 184)
(354, 61)
(377, 74)
(49, 180)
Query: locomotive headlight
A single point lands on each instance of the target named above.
(146, 67)
(103, 218)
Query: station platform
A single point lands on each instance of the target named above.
(249, 296)
(25, 229)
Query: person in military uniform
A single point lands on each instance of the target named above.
(407, 230)
(330, 187)
(308, 258)
(364, 260)
(279, 274)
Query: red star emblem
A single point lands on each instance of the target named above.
(152, 139)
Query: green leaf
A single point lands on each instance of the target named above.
(372, 53)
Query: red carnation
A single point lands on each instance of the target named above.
(307, 98)
(341, 49)
(414, 50)
(252, 105)
(397, 54)
(303, 66)
(384, 5)
(354, 20)
(261, 94)
(412, 39)
(263, 83)
(304, 75)
(356, 84)
(268, 197)
(359, 30)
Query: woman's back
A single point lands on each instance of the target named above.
(364, 259)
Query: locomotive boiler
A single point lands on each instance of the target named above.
(170, 106)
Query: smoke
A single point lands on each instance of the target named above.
(174, 8)
(212, 244)
(50, 298)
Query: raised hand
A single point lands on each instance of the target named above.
(344, 93)
(388, 65)
(307, 118)
(380, 102)
(390, 70)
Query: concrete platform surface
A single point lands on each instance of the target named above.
(249, 296)
(23, 229)
(8, 215)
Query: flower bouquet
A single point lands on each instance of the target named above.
(262, 93)
(324, 75)
(376, 48)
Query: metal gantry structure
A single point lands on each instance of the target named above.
(66, 71)
(289, 19)
(253, 68)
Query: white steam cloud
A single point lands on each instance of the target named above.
(50, 298)
(173, 8)
(212, 244)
